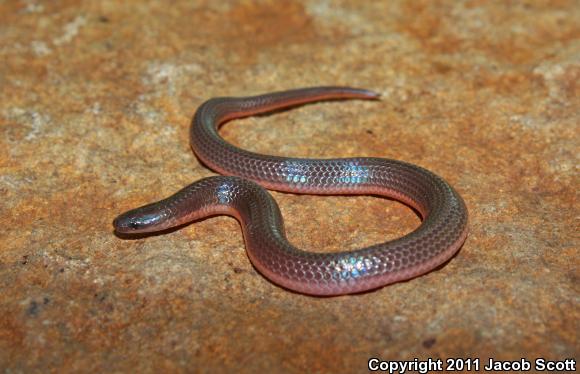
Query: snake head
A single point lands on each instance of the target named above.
(148, 218)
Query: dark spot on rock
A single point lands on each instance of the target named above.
(238, 270)
(24, 260)
(32, 308)
(441, 68)
(370, 132)
(104, 19)
(45, 300)
(428, 343)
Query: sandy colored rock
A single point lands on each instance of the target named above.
(96, 101)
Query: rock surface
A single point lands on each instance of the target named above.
(96, 100)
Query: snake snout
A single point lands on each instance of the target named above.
(139, 220)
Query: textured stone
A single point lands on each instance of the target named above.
(96, 100)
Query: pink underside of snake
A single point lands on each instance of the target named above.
(442, 232)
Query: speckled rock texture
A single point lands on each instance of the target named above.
(96, 98)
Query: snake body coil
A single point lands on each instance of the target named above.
(441, 233)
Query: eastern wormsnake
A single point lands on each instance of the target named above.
(441, 233)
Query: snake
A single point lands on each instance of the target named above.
(241, 192)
